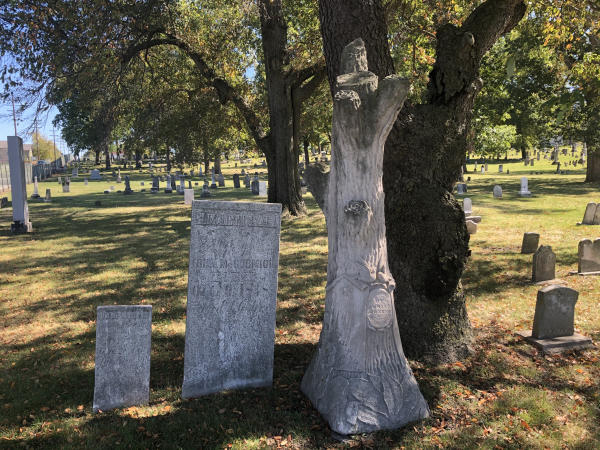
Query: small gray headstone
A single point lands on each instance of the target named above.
(471, 226)
(123, 336)
(232, 294)
(590, 212)
(497, 191)
(530, 243)
(554, 312)
(589, 256)
(544, 262)
(467, 206)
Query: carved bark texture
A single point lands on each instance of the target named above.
(359, 378)
(426, 231)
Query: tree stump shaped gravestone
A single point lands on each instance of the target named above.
(359, 378)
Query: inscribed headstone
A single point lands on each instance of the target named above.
(554, 312)
(232, 294)
(188, 196)
(21, 223)
(589, 256)
(123, 337)
(497, 191)
(524, 192)
(544, 262)
(590, 212)
(530, 243)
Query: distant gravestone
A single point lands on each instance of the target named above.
(471, 226)
(85, 181)
(119, 176)
(213, 182)
(497, 191)
(155, 185)
(181, 187)
(21, 223)
(500, 168)
(482, 170)
(188, 196)
(589, 257)
(486, 167)
(66, 187)
(95, 175)
(36, 193)
(590, 213)
(554, 312)
(262, 188)
(254, 187)
(48, 197)
(247, 181)
(236, 181)
(221, 180)
(230, 324)
(531, 162)
(461, 188)
(123, 339)
(205, 190)
(467, 206)
(128, 190)
(524, 192)
(530, 243)
(168, 188)
(544, 262)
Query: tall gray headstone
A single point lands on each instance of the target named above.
(21, 223)
(590, 212)
(554, 312)
(530, 243)
(544, 262)
(123, 337)
(497, 191)
(589, 256)
(232, 294)
(524, 192)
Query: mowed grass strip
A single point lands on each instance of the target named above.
(134, 250)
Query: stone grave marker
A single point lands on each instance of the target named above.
(530, 242)
(168, 188)
(471, 226)
(123, 339)
(85, 181)
(247, 181)
(596, 220)
(205, 190)
(188, 196)
(213, 181)
(48, 197)
(4, 201)
(482, 170)
(524, 192)
(255, 187)
(95, 175)
(232, 294)
(461, 188)
(553, 328)
(21, 223)
(590, 213)
(544, 262)
(262, 188)
(36, 193)
(589, 257)
(221, 180)
(497, 191)
(486, 167)
(181, 187)
(236, 181)
(128, 190)
(500, 168)
(467, 206)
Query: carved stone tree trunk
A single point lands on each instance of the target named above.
(428, 242)
(359, 378)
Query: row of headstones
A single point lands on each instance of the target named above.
(462, 189)
(544, 259)
(230, 312)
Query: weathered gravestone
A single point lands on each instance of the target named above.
(85, 181)
(95, 175)
(128, 189)
(530, 243)
(232, 294)
(168, 188)
(48, 197)
(461, 188)
(359, 378)
(500, 168)
(3, 202)
(36, 193)
(21, 223)
(205, 190)
(524, 192)
(596, 220)
(467, 206)
(262, 188)
(123, 337)
(255, 187)
(236, 181)
(544, 262)
(181, 187)
(213, 182)
(553, 323)
(589, 257)
(471, 226)
(247, 181)
(221, 180)
(188, 196)
(497, 191)
(590, 213)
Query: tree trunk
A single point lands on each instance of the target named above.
(359, 378)
(107, 155)
(97, 152)
(217, 164)
(426, 233)
(306, 158)
(284, 180)
(168, 159)
(593, 166)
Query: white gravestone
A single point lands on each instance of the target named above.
(524, 192)
(589, 257)
(21, 223)
(467, 206)
(482, 170)
(36, 193)
(262, 188)
(497, 191)
(123, 339)
(188, 196)
(232, 295)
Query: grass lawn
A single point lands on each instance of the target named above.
(134, 250)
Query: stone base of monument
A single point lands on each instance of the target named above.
(168, 191)
(35, 196)
(560, 344)
(18, 227)
(584, 274)
(525, 194)
(476, 219)
(214, 186)
(128, 192)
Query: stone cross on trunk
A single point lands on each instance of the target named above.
(359, 379)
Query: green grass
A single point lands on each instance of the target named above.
(134, 249)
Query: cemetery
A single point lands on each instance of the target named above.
(300, 225)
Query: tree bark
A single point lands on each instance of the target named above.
(426, 233)
(107, 155)
(97, 152)
(359, 378)
(168, 157)
(217, 163)
(593, 166)
(306, 158)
